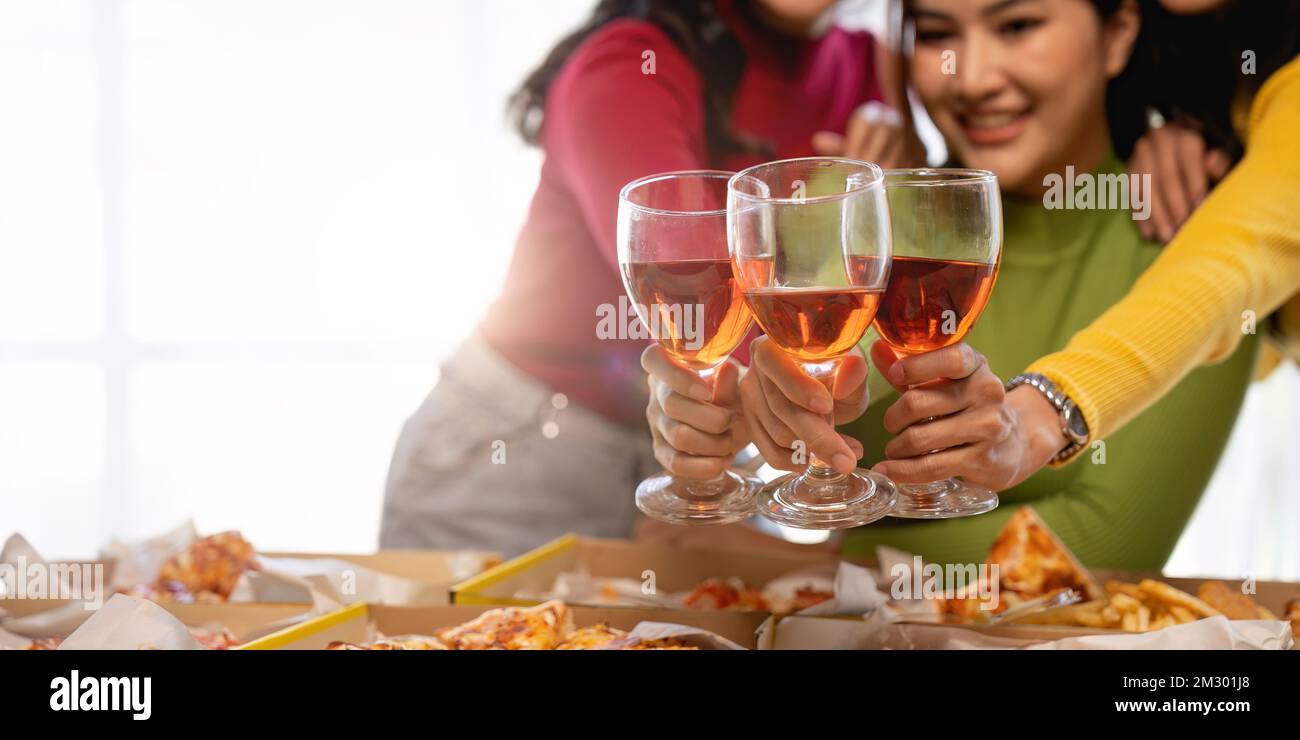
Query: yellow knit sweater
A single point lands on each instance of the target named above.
(1236, 260)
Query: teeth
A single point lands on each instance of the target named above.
(994, 120)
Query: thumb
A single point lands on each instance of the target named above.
(828, 143)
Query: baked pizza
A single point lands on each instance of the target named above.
(604, 637)
(726, 594)
(203, 573)
(211, 564)
(541, 627)
(547, 626)
(1032, 562)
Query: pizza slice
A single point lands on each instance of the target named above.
(540, 627)
(209, 566)
(1032, 561)
(726, 594)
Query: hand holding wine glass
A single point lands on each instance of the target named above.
(953, 418)
(786, 408)
(672, 248)
(697, 430)
(810, 239)
(947, 249)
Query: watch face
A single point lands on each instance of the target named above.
(1075, 424)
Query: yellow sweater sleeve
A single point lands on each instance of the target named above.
(1238, 253)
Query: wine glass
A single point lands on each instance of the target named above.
(947, 248)
(810, 239)
(672, 251)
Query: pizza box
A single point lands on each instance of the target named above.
(246, 621)
(439, 570)
(356, 623)
(669, 569)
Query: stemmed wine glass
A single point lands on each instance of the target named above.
(810, 239)
(672, 249)
(947, 248)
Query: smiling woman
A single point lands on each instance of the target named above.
(990, 74)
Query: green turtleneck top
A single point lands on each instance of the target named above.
(1121, 506)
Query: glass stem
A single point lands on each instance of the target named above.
(820, 472)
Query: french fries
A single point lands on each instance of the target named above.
(1152, 605)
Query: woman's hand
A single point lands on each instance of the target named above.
(786, 408)
(875, 134)
(697, 432)
(1181, 171)
(953, 418)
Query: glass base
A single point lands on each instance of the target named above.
(730, 498)
(945, 499)
(811, 501)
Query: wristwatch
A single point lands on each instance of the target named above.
(1073, 425)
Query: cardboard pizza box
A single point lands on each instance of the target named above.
(246, 622)
(357, 623)
(437, 569)
(671, 569)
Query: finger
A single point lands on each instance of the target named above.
(928, 468)
(1217, 164)
(913, 405)
(689, 466)
(858, 129)
(656, 361)
(1191, 157)
(893, 154)
(1140, 164)
(1170, 182)
(818, 436)
(776, 454)
(884, 358)
(828, 144)
(985, 424)
(726, 384)
(785, 374)
(854, 445)
(882, 125)
(948, 363)
(758, 414)
(981, 390)
(850, 388)
(687, 439)
(703, 416)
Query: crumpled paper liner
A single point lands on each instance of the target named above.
(128, 623)
(692, 636)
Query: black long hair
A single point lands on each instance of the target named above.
(697, 29)
(1193, 68)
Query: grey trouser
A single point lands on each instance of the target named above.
(490, 462)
